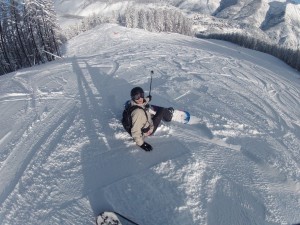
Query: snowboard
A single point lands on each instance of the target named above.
(180, 116)
(108, 218)
(113, 218)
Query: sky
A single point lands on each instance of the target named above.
(64, 156)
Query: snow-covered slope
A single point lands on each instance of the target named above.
(247, 11)
(273, 21)
(71, 12)
(283, 23)
(278, 21)
(64, 156)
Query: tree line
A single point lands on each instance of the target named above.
(29, 34)
(289, 56)
(147, 18)
(158, 20)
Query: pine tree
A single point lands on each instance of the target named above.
(29, 34)
(142, 19)
(5, 59)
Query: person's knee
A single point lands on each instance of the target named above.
(168, 114)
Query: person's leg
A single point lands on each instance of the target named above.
(161, 114)
(168, 114)
(157, 118)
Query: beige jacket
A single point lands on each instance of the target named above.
(140, 121)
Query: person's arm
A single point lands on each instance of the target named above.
(137, 125)
(136, 130)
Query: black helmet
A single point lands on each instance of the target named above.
(137, 92)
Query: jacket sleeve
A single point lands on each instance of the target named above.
(137, 125)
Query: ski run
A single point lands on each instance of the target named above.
(64, 156)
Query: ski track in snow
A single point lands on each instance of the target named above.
(64, 156)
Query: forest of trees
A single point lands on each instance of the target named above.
(289, 56)
(29, 34)
(147, 18)
(158, 20)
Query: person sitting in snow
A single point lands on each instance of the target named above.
(144, 123)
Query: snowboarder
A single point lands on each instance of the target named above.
(143, 123)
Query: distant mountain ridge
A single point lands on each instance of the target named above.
(274, 21)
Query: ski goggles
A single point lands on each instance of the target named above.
(137, 96)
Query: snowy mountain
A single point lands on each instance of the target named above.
(64, 156)
(282, 23)
(275, 21)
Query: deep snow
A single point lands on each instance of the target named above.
(64, 156)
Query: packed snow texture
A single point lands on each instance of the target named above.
(64, 156)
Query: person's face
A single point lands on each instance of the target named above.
(139, 98)
(140, 101)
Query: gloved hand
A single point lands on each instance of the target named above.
(150, 98)
(146, 147)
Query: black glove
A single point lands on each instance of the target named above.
(150, 98)
(146, 147)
